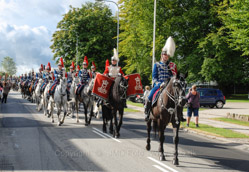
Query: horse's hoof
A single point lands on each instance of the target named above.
(175, 162)
(104, 131)
(162, 158)
(148, 147)
(77, 121)
(86, 124)
(111, 131)
(52, 121)
(59, 124)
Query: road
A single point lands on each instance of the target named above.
(30, 142)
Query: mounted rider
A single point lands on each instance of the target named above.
(84, 75)
(46, 76)
(162, 72)
(113, 70)
(39, 75)
(58, 74)
(93, 69)
(71, 74)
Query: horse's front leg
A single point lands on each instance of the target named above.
(161, 139)
(51, 111)
(65, 112)
(58, 114)
(176, 141)
(114, 112)
(77, 111)
(91, 114)
(85, 111)
(121, 113)
(148, 134)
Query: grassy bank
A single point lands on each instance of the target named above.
(221, 132)
(237, 98)
(233, 121)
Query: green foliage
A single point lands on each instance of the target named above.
(9, 65)
(92, 28)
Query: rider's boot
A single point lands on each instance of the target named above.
(147, 110)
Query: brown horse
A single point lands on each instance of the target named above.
(168, 108)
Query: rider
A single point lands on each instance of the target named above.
(77, 70)
(39, 75)
(58, 73)
(162, 71)
(46, 76)
(84, 74)
(113, 70)
(93, 68)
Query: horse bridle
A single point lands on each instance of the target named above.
(123, 96)
(175, 98)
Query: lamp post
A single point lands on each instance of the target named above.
(154, 37)
(117, 18)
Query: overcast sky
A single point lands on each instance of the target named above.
(26, 28)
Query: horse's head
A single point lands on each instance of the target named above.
(179, 84)
(123, 85)
(63, 85)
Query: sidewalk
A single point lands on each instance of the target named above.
(205, 118)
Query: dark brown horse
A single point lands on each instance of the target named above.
(116, 102)
(168, 108)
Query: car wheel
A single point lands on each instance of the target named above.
(219, 104)
(211, 106)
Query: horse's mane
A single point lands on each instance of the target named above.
(115, 88)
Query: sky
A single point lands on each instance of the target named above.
(26, 29)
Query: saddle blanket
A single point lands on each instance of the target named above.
(155, 96)
(135, 86)
(102, 85)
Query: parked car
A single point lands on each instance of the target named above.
(211, 97)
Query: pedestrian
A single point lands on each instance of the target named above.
(6, 89)
(146, 93)
(193, 105)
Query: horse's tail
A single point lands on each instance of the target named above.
(155, 127)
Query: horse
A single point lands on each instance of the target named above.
(87, 99)
(45, 98)
(168, 108)
(117, 98)
(37, 94)
(60, 100)
(72, 102)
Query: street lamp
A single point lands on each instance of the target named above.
(154, 37)
(117, 18)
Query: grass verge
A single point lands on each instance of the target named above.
(221, 132)
(135, 104)
(233, 121)
(239, 98)
(130, 110)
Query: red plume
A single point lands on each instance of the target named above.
(61, 61)
(73, 65)
(78, 67)
(41, 67)
(93, 64)
(107, 63)
(49, 66)
(85, 60)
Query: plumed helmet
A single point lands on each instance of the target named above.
(115, 55)
(169, 47)
(48, 67)
(93, 65)
(61, 62)
(85, 61)
(41, 68)
(78, 68)
(72, 66)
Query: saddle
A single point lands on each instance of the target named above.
(156, 96)
(52, 89)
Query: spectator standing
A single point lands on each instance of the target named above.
(193, 105)
(6, 89)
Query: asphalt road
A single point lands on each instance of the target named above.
(30, 142)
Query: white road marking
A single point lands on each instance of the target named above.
(162, 164)
(160, 168)
(100, 134)
(106, 135)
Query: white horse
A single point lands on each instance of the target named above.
(87, 99)
(60, 100)
(45, 98)
(72, 102)
(37, 94)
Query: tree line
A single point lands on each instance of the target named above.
(211, 37)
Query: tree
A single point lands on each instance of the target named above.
(91, 27)
(9, 65)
